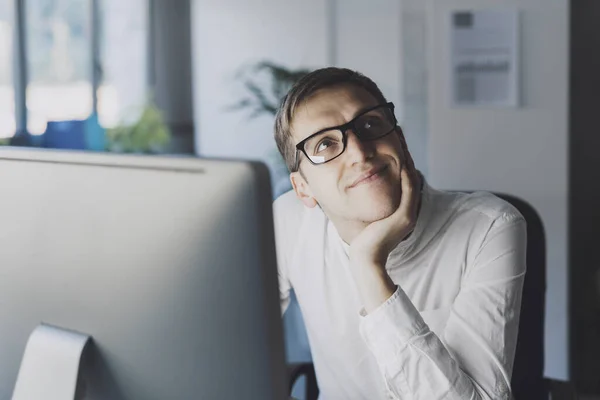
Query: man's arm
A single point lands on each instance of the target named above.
(370, 249)
(280, 246)
(472, 358)
(284, 292)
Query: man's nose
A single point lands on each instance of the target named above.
(358, 151)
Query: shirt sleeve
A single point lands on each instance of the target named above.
(284, 293)
(280, 243)
(473, 356)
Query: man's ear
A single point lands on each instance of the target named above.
(302, 189)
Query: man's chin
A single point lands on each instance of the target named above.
(376, 210)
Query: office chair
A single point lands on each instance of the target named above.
(528, 382)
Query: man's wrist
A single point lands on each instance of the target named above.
(367, 264)
(373, 282)
(371, 260)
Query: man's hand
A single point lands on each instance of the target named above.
(378, 239)
(370, 249)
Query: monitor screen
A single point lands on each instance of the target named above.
(168, 263)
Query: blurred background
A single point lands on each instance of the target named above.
(204, 77)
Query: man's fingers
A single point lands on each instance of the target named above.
(411, 191)
(412, 170)
(409, 160)
(408, 188)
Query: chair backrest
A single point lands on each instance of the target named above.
(528, 371)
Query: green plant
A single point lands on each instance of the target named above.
(266, 83)
(149, 134)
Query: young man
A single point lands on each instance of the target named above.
(407, 292)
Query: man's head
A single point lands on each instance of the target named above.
(329, 166)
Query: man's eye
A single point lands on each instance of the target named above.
(371, 123)
(323, 145)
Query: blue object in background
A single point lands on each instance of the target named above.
(75, 134)
(65, 135)
(94, 134)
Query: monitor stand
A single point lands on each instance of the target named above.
(50, 365)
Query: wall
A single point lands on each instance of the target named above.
(230, 34)
(520, 151)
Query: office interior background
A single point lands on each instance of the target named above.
(201, 76)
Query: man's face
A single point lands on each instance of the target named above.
(339, 186)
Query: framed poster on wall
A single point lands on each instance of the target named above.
(484, 59)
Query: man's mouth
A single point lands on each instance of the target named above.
(369, 176)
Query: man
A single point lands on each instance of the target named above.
(407, 292)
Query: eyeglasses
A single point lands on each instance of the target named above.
(330, 143)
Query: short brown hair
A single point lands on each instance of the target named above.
(302, 90)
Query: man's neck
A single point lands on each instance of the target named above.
(348, 230)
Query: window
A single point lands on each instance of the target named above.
(124, 61)
(59, 61)
(7, 94)
(75, 73)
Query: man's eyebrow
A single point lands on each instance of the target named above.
(362, 110)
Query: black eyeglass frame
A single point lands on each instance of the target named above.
(344, 128)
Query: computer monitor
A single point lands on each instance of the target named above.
(167, 262)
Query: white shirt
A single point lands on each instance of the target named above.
(450, 329)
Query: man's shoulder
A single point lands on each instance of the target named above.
(290, 215)
(295, 223)
(288, 207)
(482, 205)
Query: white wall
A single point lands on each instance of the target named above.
(229, 34)
(521, 151)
